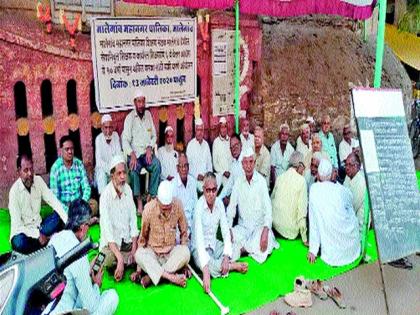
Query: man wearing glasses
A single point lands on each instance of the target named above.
(68, 180)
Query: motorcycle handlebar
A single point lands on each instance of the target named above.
(75, 253)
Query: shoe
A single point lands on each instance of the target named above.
(402, 263)
(300, 297)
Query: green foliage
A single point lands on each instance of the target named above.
(410, 21)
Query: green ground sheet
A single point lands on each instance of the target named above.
(241, 293)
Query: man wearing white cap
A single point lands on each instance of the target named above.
(158, 254)
(138, 141)
(252, 234)
(303, 142)
(199, 156)
(247, 138)
(118, 221)
(290, 200)
(107, 145)
(221, 152)
(167, 156)
(281, 152)
(312, 124)
(333, 223)
(212, 256)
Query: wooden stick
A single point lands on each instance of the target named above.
(223, 309)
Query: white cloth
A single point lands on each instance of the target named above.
(79, 292)
(357, 186)
(333, 225)
(117, 216)
(199, 157)
(236, 170)
(344, 149)
(168, 158)
(279, 160)
(188, 197)
(302, 147)
(206, 223)
(255, 213)
(104, 152)
(222, 157)
(25, 207)
(138, 133)
(250, 142)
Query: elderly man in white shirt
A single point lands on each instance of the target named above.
(118, 220)
(138, 141)
(221, 152)
(28, 231)
(303, 142)
(311, 174)
(82, 283)
(213, 257)
(252, 234)
(247, 138)
(199, 156)
(355, 181)
(235, 169)
(280, 153)
(167, 155)
(185, 189)
(107, 145)
(347, 145)
(262, 155)
(333, 223)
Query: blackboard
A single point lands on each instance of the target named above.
(389, 170)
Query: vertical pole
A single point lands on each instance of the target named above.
(237, 66)
(380, 44)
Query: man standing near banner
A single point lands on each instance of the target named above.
(138, 141)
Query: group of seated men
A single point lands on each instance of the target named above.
(176, 223)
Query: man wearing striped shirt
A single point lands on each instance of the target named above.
(68, 179)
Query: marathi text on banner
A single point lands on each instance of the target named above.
(156, 55)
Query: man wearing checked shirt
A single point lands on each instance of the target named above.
(68, 180)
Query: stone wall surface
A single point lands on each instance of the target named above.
(308, 66)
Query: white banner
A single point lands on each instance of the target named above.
(223, 77)
(156, 56)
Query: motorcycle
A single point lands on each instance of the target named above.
(30, 281)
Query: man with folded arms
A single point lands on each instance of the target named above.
(118, 220)
(333, 223)
(221, 152)
(290, 201)
(167, 156)
(212, 256)
(158, 254)
(107, 145)
(280, 153)
(28, 232)
(252, 234)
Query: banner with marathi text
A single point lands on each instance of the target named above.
(156, 56)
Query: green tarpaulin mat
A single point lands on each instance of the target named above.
(241, 293)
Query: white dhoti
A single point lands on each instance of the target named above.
(250, 241)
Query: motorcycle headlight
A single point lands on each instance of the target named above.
(7, 281)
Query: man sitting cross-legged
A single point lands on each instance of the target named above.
(118, 220)
(157, 253)
(211, 255)
(28, 232)
(333, 225)
(290, 200)
(253, 232)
